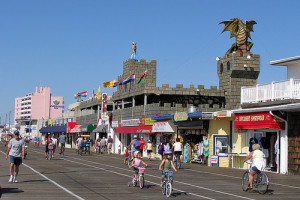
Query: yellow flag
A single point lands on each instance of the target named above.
(98, 94)
(50, 122)
(109, 84)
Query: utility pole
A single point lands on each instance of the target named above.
(9, 120)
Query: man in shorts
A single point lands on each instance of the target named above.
(62, 141)
(109, 144)
(15, 151)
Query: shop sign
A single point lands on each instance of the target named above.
(257, 121)
(115, 124)
(214, 159)
(130, 122)
(163, 127)
(181, 116)
(207, 115)
(224, 113)
(104, 106)
(147, 121)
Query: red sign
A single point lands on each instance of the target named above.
(257, 121)
(71, 125)
(104, 103)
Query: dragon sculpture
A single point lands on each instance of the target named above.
(241, 31)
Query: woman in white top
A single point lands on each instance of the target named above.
(258, 162)
(177, 147)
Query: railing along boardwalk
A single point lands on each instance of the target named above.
(275, 91)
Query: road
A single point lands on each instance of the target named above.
(105, 177)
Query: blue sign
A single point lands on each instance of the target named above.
(214, 159)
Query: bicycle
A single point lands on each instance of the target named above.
(261, 181)
(167, 185)
(129, 158)
(140, 178)
(177, 161)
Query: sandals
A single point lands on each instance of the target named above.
(249, 188)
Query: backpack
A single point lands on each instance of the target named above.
(160, 149)
(137, 144)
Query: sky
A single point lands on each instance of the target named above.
(75, 45)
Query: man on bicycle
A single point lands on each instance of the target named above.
(61, 142)
(134, 145)
(177, 148)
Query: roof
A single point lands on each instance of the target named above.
(286, 61)
(287, 107)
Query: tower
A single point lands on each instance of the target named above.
(236, 70)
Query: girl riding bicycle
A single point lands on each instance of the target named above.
(136, 163)
(258, 162)
(166, 165)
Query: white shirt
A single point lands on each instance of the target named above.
(79, 140)
(177, 146)
(54, 140)
(258, 160)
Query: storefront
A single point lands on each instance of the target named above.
(267, 131)
(128, 128)
(88, 130)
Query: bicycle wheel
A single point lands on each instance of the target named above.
(169, 190)
(164, 188)
(141, 182)
(262, 183)
(245, 181)
(178, 163)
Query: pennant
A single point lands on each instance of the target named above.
(118, 83)
(93, 93)
(109, 84)
(76, 96)
(143, 77)
(129, 79)
(98, 94)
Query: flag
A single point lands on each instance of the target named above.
(109, 84)
(82, 94)
(98, 94)
(143, 77)
(76, 96)
(93, 93)
(118, 83)
(128, 79)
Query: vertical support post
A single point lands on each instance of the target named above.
(98, 113)
(256, 93)
(133, 105)
(145, 103)
(291, 87)
(113, 106)
(273, 91)
(122, 103)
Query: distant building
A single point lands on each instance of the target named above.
(38, 105)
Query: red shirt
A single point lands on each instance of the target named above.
(142, 144)
(126, 153)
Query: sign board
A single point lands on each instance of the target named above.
(147, 121)
(104, 105)
(130, 122)
(224, 113)
(180, 116)
(214, 159)
(115, 124)
(207, 115)
(163, 127)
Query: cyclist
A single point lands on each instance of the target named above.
(136, 163)
(166, 165)
(62, 141)
(87, 143)
(48, 141)
(135, 145)
(35, 141)
(258, 162)
(177, 148)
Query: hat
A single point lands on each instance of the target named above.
(149, 140)
(141, 137)
(16, 132)
(135, 136)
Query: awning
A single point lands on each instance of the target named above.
(101, 129)
(54, 129)
(134, 129)
(88, 128)
(76, 129)
(190, 125)
(258, 120)
(163, 127)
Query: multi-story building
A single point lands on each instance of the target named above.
(34, 106)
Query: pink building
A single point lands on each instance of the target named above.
(38, 105)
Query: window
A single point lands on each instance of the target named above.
(221, 68)
(221, 143)
(228, 65)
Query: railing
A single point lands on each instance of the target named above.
(289, 89)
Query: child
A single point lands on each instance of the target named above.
(166, 166)
(126, 156)
(136, 163)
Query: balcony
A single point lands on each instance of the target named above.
(272, 93)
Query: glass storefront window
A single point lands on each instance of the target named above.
(221, 143)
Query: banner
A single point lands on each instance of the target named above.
(130, 122)
(181, 116)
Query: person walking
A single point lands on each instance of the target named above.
(149, 148)
(134, 145)
(62, 141)
(48, 141)
(142, 141)
(54, 142)
(15, 151)
(109, 144)
(102, 144)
